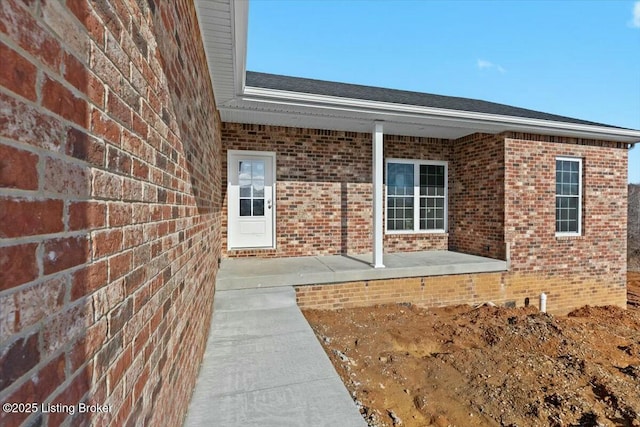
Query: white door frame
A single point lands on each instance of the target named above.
(230, 224)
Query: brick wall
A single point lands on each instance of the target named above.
(572, 271)
(438, 291)
(477, 196)
(598, 255)
(323, 190)
(110, 195)
(633, 232)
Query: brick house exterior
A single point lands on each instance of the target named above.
(117, 120)
(633, 232)
(110, 198)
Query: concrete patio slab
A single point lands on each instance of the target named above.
(263, 366)
(241, 273)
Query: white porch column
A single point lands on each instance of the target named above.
(378, 200)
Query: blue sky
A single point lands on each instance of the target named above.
(575, 58)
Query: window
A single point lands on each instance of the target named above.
(416, 196)
(251, 182)
(568, 196)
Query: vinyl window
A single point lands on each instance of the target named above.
(568, 196)
(416, 196)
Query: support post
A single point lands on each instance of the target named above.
(378, 200)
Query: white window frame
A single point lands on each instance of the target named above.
(579, 196)
(416, 195)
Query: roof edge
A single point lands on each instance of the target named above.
(378, 107)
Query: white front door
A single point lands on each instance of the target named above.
(251, 196)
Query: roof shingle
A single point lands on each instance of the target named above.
(371, 93)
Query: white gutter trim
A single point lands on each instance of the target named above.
(366, 106)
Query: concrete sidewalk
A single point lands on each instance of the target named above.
(263, 366)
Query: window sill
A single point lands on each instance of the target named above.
(409, 232)
(568, 236)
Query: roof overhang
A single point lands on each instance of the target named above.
(223, 25)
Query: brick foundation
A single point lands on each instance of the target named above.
(110, 195)
(439, 291)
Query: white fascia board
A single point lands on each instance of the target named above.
(299, 99)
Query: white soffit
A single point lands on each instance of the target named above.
(223, 25)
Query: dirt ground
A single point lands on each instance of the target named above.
(488, 366)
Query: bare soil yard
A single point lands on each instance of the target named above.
(488, 366)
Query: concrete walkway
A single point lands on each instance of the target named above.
(263, 366)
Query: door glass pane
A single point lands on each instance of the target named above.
(251, 180)
(245, 207)
(258, 207)
(244, 170)
(258, 188)
(258, 169)
(245, 191)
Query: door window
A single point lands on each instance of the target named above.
(251, 183)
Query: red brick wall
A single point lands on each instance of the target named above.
(477, 196)
(323, 191)
(633, 229)
(438, 291)
(599, 254)
(110, 195)
(572, 271)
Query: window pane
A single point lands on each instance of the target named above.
(572, 202)
(258, 207)
(257, 170)
(244, 170)
(258, 188)
(245, 191)
(400, 179)
(245, 207)
(572, 226)
(573, 189)
(573, 167)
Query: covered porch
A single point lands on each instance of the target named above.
(244, 273)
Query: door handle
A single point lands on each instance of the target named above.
(269, 204)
